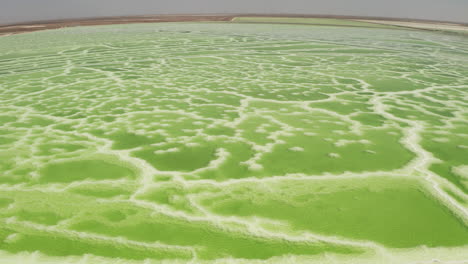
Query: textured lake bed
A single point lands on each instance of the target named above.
(230, 142)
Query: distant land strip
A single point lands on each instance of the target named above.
(31, 26)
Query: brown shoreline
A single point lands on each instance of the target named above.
(55, 24)
(32, 26)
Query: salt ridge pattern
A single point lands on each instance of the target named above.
(209, 142)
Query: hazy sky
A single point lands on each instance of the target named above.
(12, 11)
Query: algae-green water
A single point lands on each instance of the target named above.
(233, 143)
